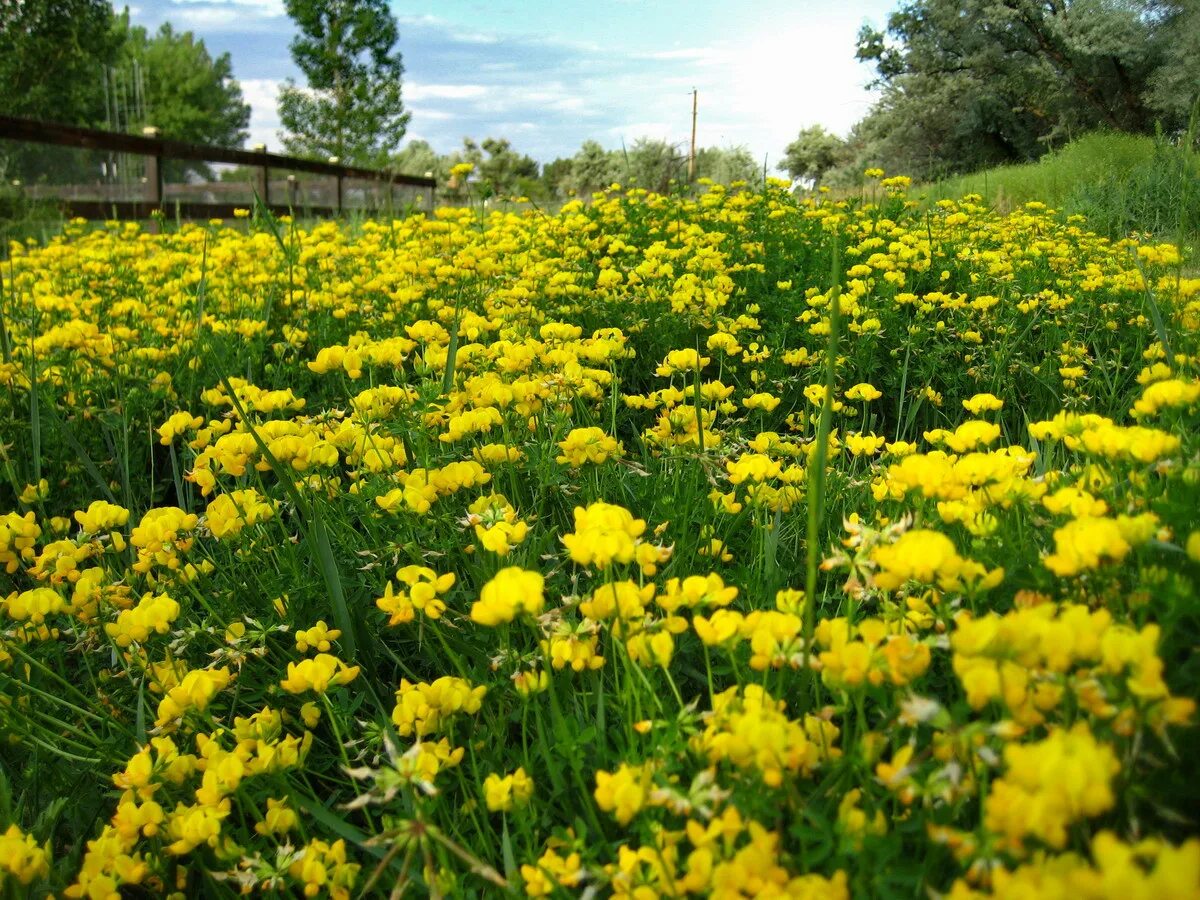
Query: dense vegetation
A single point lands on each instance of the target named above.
(657, 547)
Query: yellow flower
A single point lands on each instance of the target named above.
(318, 673)
(864, 392)
(749, 730)
(1193, 546)
(550, 872)
(1084, 544)
(588, 445)
(101, 516)
(424, 708)
(681, 361)
(153, 615)
(1050, 784)
(510, 593)
(864, 444)
(228, 514)
(319, 637)
(604, 534)
(21, 858)
(981, 403)
(765, 402)
(34, 605)
(280, 818)
(930, 558)
(623, 792)
(502, 794)
(697, 592)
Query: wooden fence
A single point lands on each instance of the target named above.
(322, 188)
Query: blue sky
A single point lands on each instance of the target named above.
(549, 74)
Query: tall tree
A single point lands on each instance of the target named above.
(652, 164)
(505, 171)
(53, 58)
(969, 83)
(188, 95)
(592, 169)
(419, 158)
(1175, 85)
(725, 165)
(813, 153)
(351, 107)
(53, 55)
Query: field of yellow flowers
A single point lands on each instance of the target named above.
(737, 545)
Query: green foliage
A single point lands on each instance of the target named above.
(62, 57)
(1175, 85)
(654, 164)
(51, 67)
(503, 168)
(813, 153)
(419, 158)
(592, 169)
(501, 171)
(53, 51)
(190, 95)
(968, 85)
(1120, 182)
(726, 165)
(554, 173)
(351, 108)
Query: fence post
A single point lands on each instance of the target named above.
(264, 178)
(154, 178)
(291, 188)
(334, 161)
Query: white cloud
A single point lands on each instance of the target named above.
(266, 7)
(424, 114)
(759, 79)
(417, 91)
(261, 94)
(631, 131)
(223, 16)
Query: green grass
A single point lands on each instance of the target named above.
(1121, 182)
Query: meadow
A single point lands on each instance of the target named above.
(733, 545)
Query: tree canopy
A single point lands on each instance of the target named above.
(972, 83)
(351, 107)
(67, 60)
(813, 153)
(54, 50)
(188, 94)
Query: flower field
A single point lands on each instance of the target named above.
(658, 547)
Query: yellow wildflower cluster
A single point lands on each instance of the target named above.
(500, 496)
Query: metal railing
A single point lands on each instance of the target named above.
(310, 187)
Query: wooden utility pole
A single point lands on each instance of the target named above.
(692, 151)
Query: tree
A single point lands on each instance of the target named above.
(969, 83)
(592, 169)
(813, 153)
(52, 68)
(1175, 85)
(652, 164)
(189, 95)
(504, 170)
(555, 175)
(54, 53)
(727, 165)
(419, 158)
(351, 107)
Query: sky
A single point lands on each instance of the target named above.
(550, 74)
